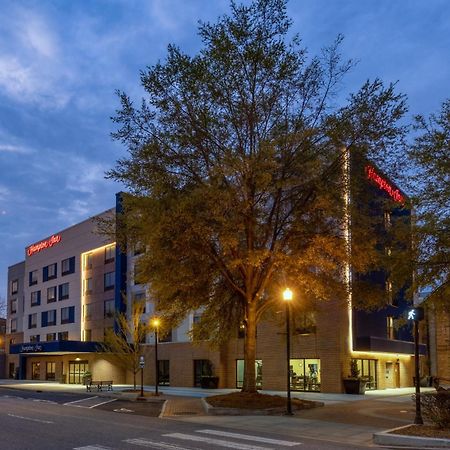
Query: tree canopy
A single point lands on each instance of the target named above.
(235, 170)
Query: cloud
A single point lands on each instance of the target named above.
(8, 148)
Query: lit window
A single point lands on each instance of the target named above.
(390, 327)
(51, 317)
(35, 338)
(389, 292)
(49, 272)
(68, 314)
(51, 337)
(387, 220)
(51, 294)
(13, 325)
(68, 266)
(88, 285)
(88, 261)
(63, 336)
(87, 311)
(87, 335)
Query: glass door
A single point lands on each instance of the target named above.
(76, 371)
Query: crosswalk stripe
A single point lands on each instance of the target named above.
(153, 444)
(219, 442)
(248, 437)
(93, 447)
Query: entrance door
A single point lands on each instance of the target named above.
(36, 371)
(76, 371)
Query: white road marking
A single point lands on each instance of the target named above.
(88, 399)
(44, 401)
(93, 447)
(220, 443)
(81, 400)
(30, 418)
(153, 444)
(123, 410)
(248, 437)
(13, 396)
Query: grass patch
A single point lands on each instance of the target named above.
(424, 431)
(245, 400)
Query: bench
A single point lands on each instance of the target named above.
(100, 385)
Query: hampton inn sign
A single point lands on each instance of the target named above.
(384, 185)
(47, 243)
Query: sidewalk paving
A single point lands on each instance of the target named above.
(351, 419)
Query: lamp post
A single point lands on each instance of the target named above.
(142, 365)
(287, 297)
(156, 325)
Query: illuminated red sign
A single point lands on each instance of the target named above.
(384, 185)
(50, 242)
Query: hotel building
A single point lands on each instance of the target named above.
(64, 295)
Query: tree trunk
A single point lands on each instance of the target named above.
(134, 379)
(249, 384)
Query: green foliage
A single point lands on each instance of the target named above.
(354, 371)
(235, 172)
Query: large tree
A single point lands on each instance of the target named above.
(235, 171)
(430, 155)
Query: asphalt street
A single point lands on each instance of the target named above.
(44, 420)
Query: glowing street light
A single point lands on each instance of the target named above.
(287, 297)
(156, 322)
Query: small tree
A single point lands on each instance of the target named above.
(124, 341)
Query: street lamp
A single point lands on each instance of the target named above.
(155, 323)
(287, 297)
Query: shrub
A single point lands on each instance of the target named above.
(436, 407)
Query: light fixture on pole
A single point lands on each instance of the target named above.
(287, 297)
(142, 365)
(155, 323)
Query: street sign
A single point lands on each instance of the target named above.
(416, 314)
(141, 362)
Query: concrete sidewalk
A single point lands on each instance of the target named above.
(351, 419)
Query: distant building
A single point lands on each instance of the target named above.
(64, 295)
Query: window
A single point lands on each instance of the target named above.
(368, 371)
(14, 287)
(36, 371)
(68, 266)
(306, 323)
(140, 298)
(49, 272)
(305, 374)
(390, 327)
(68, 314)
(51, 294)
(389, 292)
(13, 325)
(35, 338)
(87, 335)
(202, 368)
(13, 305)
(387, 220)
(109, 280)
(48, 318)
(88, 261)
(163, 372)
(32, 321)
(63, 291)
(33, 277)
(51, 337)
(87, 286)
(109, 308)
(50, 371)
(35, 298)
(63, 336)
(12, 341)
(240, 373)
(87, 311)
(110, 253)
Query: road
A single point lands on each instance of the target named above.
(59, 421)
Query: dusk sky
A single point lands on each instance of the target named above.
(61, 62)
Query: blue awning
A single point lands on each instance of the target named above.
(56, 347)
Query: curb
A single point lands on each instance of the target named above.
(163, 410)
(389, 439)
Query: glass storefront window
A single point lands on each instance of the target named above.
(305, 374)
(368, 370)
(240, 373)
(50, 371)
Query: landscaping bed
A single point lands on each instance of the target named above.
(257, 401)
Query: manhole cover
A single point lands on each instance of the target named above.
(184, 413)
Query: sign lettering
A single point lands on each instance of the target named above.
(384, 185)
(31, 348)
(47, 243)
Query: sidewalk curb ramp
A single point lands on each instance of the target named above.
(387, 438)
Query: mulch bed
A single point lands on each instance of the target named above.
(424, 431)
(244, 400)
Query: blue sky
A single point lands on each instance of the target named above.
(62, 60)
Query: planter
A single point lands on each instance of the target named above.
(354, 387)
(209, 382)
